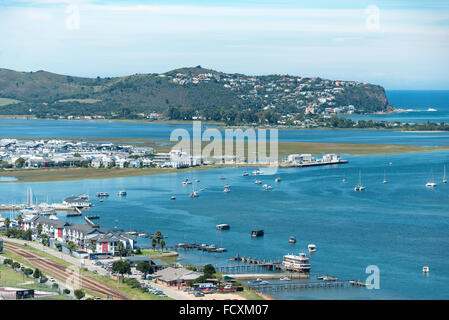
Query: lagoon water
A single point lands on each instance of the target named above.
(399, 226)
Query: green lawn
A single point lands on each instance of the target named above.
(12, 278)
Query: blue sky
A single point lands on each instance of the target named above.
(397, 44)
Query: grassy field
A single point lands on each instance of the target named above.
(38, 175)
(12, 278)
(6, 101)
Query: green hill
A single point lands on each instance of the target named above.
(182, 93)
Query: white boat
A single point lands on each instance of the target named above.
(278, 179)
(431, 109)
(122, 193)
(196, 194)
(431, 183)
(285, 279)
(343, 180)
(385, 177)
(226, 190)
(257, 172)
(223, 226)
(257, 182)
(444, 175)
(292, 239)
(312, 248)
(245, 174)
(359, 187)
(425, 269)
(172, 198)
(186, 182)
(102, 194)
(197, 180)
(298, 263)
(227, 186)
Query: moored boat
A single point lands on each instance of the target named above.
(298, 263)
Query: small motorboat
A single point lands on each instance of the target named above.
(425, 269)
(172, 198)
(226, 190)
(227, 186)
(222, 178)
(186, 182)
(285, 279)
(278, 179)
(245, 174)
(257, 182)
(197, 180)
(122, 193)
(312, 248)
(292, 239)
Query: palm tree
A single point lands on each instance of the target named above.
(120, 249)
(158, 236)
(153, 243)
(39, 229)
(20, 220)
(162, 244)
(7, 223)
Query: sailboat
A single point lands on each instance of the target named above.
(359, 187)
(444, 176)
(385, 177)
(431, 183)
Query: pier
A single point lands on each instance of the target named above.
(201, 247)
(286, 285)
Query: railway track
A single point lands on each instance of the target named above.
(62, 272)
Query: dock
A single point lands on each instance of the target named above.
(201, 247)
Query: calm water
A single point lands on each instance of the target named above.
(399, 227)
(161, 131)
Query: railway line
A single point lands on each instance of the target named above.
(62, 272)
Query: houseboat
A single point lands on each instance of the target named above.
(257, 233)
(298, 263)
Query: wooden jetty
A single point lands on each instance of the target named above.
(201, 247)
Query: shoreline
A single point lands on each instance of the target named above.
(219, 125)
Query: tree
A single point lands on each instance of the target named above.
(145, 268)
(45, 240)
(66, 291)
(37, 273)
(208, 270)
(71, 245)
(7, 223)
(28, 271)
(120, 249)
(79, 294)
(1, 249)
(121, 267)
(20, 220)
(92, 246)
(162, 244)
(39, 229)
(153, 243)
(19, 162)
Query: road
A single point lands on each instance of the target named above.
(62, 272)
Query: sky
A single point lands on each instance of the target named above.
(393, 43)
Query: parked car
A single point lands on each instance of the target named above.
(51, 279)
(198, 294)
(97, 298)
(162, 295)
